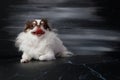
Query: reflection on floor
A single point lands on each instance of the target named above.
(75, 68)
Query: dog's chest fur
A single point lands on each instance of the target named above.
(36, 46)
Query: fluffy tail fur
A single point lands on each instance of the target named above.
(66, 54)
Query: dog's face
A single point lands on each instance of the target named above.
(37, 26)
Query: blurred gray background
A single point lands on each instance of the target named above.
(87, 27)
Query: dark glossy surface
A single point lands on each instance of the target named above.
(75, 68)
(89, 28)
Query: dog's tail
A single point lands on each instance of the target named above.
(67, 54)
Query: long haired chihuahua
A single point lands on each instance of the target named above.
(38, 41)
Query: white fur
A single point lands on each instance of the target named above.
(44, 47)
(38, 21)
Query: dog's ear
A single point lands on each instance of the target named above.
(28, 25)
(44, 23)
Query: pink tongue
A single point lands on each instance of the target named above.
(39, 31)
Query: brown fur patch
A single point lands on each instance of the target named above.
(30, 25)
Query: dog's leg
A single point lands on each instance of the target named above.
(25, 58)
(49, 55)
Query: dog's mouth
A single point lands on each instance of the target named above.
(38, 32)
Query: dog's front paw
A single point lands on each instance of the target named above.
(24, 60)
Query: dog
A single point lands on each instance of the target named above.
(38, 41)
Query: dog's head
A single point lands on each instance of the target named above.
(37, 26)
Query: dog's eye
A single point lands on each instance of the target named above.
(42, 22)
(34, 23)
